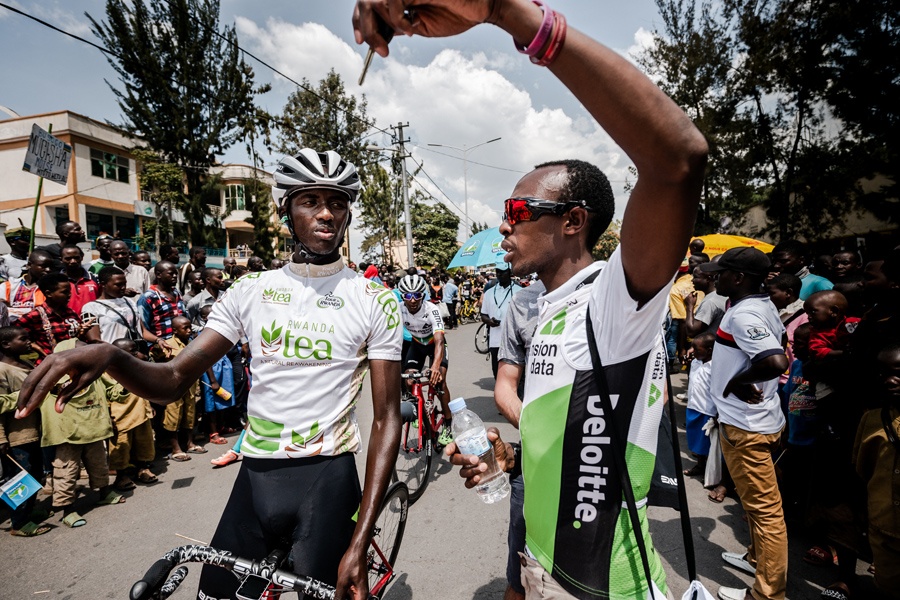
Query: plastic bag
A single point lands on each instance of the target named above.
(697, 592)
(443, 310)
(713, 475)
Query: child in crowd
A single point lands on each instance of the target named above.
(831, 327)
(134, 433)
(784, 292)
(801, 459)
(216, 389)
(54, 321)
(700, 407)
(20, 438)
(178, 420)
(876, 455)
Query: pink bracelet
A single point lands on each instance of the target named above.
(543, 33)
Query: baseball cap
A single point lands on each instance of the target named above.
(743, 260)
(501, 266)
(18, 232)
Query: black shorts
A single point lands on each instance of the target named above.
(305, 504)
(415, 355)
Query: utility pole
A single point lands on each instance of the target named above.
(401, 154)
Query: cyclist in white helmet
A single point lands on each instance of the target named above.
(423, 321)
(314, 329)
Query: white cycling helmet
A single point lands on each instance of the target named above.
(411, 284)
(311, 169)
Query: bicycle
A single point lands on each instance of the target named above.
(419, 436)
(482, 344)
(265, 580)
(467, 311)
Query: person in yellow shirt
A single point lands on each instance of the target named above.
(676, 338)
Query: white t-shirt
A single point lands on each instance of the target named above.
(424, 324)
(115, 317)
(312, 330)
(750, 331)
(698, 389)
(494, 303)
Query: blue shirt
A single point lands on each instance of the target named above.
(450, 291)
(812, 284)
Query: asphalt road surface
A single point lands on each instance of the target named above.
(454, 547)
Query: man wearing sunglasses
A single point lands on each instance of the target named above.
(422, 320)
(579, 540)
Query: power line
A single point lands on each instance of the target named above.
(471, 162)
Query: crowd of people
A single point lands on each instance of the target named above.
(783, 361)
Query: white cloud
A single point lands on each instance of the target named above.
(53, 14)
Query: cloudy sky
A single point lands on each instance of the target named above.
(458, 92)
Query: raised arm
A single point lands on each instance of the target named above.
(158, 382)
(667, 150)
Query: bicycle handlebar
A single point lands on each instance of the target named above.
(155, 585)
(417, 375)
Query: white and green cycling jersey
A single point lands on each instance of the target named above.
(312, 331)
(577, 525)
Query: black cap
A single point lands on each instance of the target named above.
(743, 260)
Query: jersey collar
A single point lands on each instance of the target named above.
(311, 270)
(571, 285)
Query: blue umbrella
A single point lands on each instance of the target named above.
(483, 248)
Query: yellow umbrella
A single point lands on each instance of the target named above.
(718, 243)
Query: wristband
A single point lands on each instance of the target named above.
(556, 43)
(543, 32)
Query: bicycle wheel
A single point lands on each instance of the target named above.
(481, 339)
(386, 537)
(413, 466)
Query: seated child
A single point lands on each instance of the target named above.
(700, 407)
(133, 442)
(20, 438)
(876, 455)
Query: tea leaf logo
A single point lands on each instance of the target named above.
(271, 340)
(268, 294)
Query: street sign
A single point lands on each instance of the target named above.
(47, 156)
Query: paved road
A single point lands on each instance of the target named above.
(454, 548)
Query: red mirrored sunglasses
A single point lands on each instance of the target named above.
(532, 209)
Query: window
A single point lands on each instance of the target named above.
(61, 215)
(234, 197)
(109, 166)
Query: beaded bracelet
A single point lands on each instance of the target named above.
(543, 32)
(556, 42)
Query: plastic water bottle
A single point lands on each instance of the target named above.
(471, 438)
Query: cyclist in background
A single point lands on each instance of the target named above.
(423, 321)
(314, 328)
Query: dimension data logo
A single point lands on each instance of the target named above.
(276, 296)
(556, 325)
(329, 300)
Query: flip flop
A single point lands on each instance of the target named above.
(820, 556)
(835, 591)
(717, 496)
(30, 529)
(125, 486)
(179, 457)
(217, 439)
(73, 519)
(147, 476)
(113, 497)
(199, 449)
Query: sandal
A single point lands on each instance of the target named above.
(147, 476)
(124, 485)
(30, 529)
(819, 556)
(113, 497)
(695, 471)
(226, 459)
(216, 439)
(836, 591)
(179, 457)
(199, 449)
(717, 494)
(73, 519)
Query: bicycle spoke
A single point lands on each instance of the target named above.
(387, 535)
(414, 460)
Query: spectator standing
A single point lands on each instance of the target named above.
(84, 287)
(160, 305)
(700, 406)
(167, 253)
(256, 264)
(784, 292)
(371, 273)
(790, 256)
(70, 233)
(194, 287)
(21, 294)
(748, 358)
(13, 264)
(137, 279)
(214, 284)
(141, 259)
(706, 317)
(179, 416)
(450, 292)
(196, 262)
(493, 309)
(117, 317)
(275, 264)
(228, 264)
(103, 243)
(697, 246)
(54, 321)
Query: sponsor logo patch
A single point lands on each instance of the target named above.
(276, 296)
(758, 333)
(329, 300)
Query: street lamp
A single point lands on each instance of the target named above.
(406, 214)
(465, 152)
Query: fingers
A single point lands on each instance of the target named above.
(366, 18)
(78, 382)
(36, 387)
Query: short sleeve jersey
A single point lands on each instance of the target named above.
(576, 526)
(494, 304)
(519, 325)
(711, 311)
(749, 332)
(698, 389)
(424, 324)
(312, 330)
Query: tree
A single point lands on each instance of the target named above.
(325, 118)
(435, 228)
(477, 227)
(261, 207)
(185, 88)
(380, 215)
(608, 242)
(162, 184)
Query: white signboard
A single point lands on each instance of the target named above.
(47, 156)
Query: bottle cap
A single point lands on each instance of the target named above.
(457, 405)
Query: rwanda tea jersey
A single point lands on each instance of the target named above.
(312, 330)
(576, 519)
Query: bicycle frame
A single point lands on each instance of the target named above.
(425, 411)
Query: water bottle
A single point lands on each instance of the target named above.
(471, 438)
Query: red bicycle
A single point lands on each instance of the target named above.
(419, 437)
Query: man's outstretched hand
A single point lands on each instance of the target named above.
(82, 365)
(471, 467)
(427, 18)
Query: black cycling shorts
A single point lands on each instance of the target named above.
(305, 504)
(415, 355)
